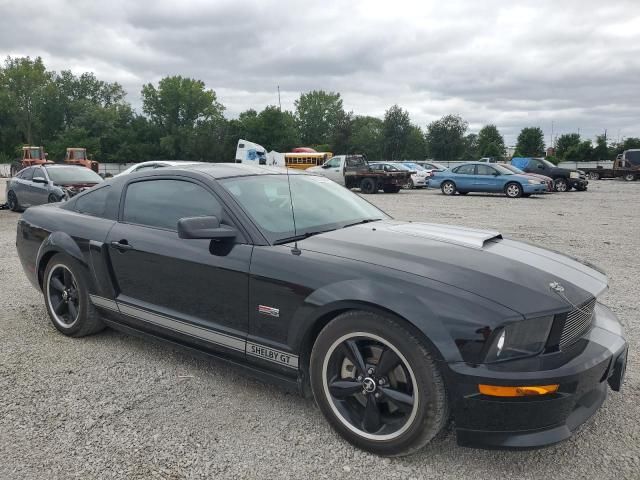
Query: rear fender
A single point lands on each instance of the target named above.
(57, 242)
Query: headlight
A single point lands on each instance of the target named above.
(574, 175)
(519, 339)
(534, 182)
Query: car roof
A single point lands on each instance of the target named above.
(227, 170)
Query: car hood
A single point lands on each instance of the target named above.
(517, 275)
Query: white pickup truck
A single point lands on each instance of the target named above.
(353, 171)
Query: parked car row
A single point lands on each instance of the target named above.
(491, 178)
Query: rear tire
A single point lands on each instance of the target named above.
(561, 185)
(377, 384)
(409, 185)
(629, 177)
(594, 176)
(66, 296)
(368, 186)
(12, 201)
(448, 187)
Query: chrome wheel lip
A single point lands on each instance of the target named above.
(56, 318)
(336, 411)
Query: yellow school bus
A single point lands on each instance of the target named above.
(303, 161)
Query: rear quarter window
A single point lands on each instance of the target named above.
(93, 202)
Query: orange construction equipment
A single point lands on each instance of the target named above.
(78, 156)
(30, 156)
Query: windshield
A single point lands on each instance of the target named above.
(547, 163)
(513, 169)
(400, 166)
(71, 175)
(35, 154)
(502, 169)
(77, 155)
(319, 204)
(414, 166)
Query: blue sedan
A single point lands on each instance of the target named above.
(480, 177)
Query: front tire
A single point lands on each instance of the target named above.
(377, 384)
(448, 187)
(66, 297)
(12, 201)
(368, 185)
(561, 184)
(629, 177)
(513, 190)
(594, 176)
(52, 198)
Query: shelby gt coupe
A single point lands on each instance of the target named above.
(394, 327)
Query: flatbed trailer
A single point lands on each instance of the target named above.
(626, 166)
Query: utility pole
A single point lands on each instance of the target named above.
(279, 103)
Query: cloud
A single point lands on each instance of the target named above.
(576, 63)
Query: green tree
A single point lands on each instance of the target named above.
(178, 105)
(581, 152)
(27, 82)
(530, 142)
(367, 137)
(317, 113)
(342, 133)
(471, 149)
(415, 147)
(490, 142)
(396, 128)
(601, 150)
(566, 142)
(445, 138)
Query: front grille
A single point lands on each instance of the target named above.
(578, 321)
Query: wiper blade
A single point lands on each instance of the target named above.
(302, 236)
(366, 220)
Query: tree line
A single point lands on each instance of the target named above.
(182, 119)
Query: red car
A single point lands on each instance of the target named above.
(547, 180)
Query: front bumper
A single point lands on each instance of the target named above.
(541, 188)
(583, 372)
(578, 183)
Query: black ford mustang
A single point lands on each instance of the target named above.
(394, 327)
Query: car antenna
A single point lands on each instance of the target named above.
(295, 250)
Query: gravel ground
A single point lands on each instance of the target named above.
(114, 406)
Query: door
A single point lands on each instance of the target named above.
(37, 192)
(487, 179)
(536, 166)
(333, 170)
(194, 289)
(465, 178)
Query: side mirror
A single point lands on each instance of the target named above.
(496, 174)
(326, 165)
(204, 228)
(541, 167)
(39, 180)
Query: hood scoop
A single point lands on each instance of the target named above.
(467, 237)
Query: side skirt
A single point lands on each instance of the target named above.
(262, 375)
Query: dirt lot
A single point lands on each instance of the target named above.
(113, 406)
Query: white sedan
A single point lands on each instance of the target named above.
(150, 165)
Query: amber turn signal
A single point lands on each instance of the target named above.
(522, 391)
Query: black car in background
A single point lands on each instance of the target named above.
(48, 184)
(393, 327)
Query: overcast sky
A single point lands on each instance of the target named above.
(512, 63)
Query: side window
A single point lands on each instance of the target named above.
(535, 164)
(465, 170)
(334, 162)
(37, 172)
(93, 202)
(485, 170)
(161, 203)
(27, 174)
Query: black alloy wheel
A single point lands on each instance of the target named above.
(561, 185)
(67, 298)
(62, 293)
(377, 384)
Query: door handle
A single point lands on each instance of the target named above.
(122, 245)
